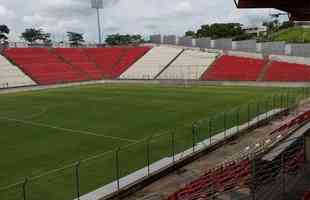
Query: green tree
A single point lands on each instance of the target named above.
(286, 25)
(4, 32)
(221, 30)
(117, 39)
(75, 39)
(190, 33)
(34, 36)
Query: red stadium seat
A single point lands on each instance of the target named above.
(232, 68)
(239, 172)
(79, 60)
(43, 66)
(114, 61)
(62, 65)
(281, 71)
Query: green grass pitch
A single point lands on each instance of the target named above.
(46, 130)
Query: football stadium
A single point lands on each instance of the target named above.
(220, 113)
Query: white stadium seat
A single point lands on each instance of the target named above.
(189, 66)
(12, 76)
(152, 63)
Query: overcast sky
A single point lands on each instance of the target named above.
(122, 16)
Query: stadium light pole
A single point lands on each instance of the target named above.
(98, 4)
(99, 26)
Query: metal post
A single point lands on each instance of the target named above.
(225, 125)
(304, 93)
(194, 136)
(210, 130)
(117, 168)
(77, 179)
(148, 155)
(249, 112)
(99, 26)
(282, 101)
(267, 110)
(24, 189)
(173, 146)
(287, 100)
(237, 120)
(258, 110)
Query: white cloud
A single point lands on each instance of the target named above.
(6, 13)
(123, 16)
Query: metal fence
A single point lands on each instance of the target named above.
(111, 168)
(285, 177)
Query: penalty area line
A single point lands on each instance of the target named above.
(72, 131)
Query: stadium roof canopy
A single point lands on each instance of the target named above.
(299, 10)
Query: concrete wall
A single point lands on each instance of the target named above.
(157, 39)
(302, 50)
(203, 43)
(290, 59)
(245, 45)
(225, 44)
(269, 48)
(170, 39)
(186, 41)
(245, 54)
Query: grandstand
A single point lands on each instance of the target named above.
(191, 64)
(152, 64)
(232, 68)
(114, 61)
(78, 59)
(12, 76)
(43, 66)
(66, 65)
(282, 71)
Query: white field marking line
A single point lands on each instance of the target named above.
(67, 129)
(43, 111)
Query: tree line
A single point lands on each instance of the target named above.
(236, 31)
(36, 37)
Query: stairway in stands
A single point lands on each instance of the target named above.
(264, 71)
(176, 57)
(70, 63)
(79, 61)
(210, 67)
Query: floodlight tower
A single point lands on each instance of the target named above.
(98, 4)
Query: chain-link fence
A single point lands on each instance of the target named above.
(114, 169)
(282, 175)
